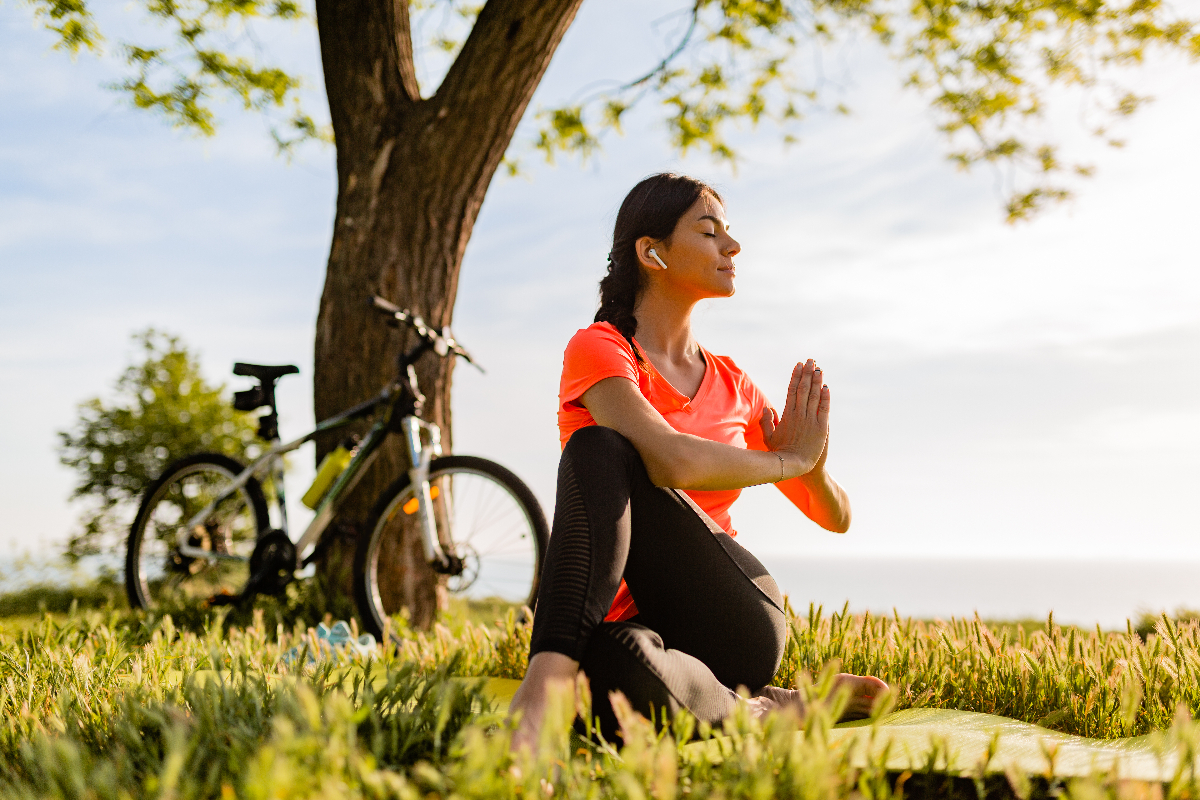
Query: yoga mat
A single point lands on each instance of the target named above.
(963, 738)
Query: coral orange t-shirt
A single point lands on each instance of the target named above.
(726, 409)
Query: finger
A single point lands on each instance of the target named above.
(790, 400)
(789, 407)
(806, 380)
(767, 422)
(813, 401)
(823, 407)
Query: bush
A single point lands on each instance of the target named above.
(162, 409)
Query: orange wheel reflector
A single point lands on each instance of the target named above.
(412, 505)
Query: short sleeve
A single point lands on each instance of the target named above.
(593, 354)
(757, 401)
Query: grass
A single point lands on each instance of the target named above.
(100, 703)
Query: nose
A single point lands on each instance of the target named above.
(733, 247)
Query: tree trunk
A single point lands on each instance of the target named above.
(412, 174)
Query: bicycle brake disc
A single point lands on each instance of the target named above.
(466, 571)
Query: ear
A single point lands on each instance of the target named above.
(642, 246)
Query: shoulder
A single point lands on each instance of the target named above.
(596, 352)
(598, 334)
(733, 376)
(599, 340)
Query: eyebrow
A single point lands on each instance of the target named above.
(720, 223)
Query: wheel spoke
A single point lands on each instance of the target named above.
(158, 575)
(492, 530)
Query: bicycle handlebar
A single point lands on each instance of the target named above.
(443, 341)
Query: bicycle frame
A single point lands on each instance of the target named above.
(420, 455)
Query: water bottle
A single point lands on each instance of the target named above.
(334, 463)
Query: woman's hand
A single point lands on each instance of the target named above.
(799, 436)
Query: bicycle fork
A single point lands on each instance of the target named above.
(420, 456)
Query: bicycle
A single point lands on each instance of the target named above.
(202, 534)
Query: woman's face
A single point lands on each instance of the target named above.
(699, 253)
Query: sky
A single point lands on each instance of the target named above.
(999, 392)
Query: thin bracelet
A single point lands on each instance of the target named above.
(780, 466)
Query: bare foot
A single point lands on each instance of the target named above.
(864, 690)
(547, 671)
(773, 698)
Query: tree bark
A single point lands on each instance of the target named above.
(412, 175)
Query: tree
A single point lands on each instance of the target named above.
(413, 168)
(162, 409)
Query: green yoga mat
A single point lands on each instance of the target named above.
(960, 739)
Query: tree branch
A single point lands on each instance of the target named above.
(367, 55)
(405, 65)
(487, 89)
(675, 53)
(505, 56)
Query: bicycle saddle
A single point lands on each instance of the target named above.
(264, 373)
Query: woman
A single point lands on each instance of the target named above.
(644, 588)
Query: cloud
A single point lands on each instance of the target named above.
(996, 390)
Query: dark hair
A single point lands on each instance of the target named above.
(652, 208)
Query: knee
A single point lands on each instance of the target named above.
(770, 654)
(751, 656)
(596, 441)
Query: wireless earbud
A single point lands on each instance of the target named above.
(654, 255)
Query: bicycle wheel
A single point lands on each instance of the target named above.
(494, 522)
(157, 575)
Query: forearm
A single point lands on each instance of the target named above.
(680, 460)
(821, 499)
(683, 461)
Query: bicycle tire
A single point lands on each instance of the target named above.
(517, 574)
(203, 578)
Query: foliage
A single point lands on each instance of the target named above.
(118, 705)
(212, 52)
(162, 409)
(989, 68)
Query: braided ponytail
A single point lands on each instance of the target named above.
(652, 208)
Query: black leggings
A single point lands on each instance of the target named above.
(710, 617)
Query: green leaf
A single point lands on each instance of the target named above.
(72, 21)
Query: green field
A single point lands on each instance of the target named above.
(102, 703)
